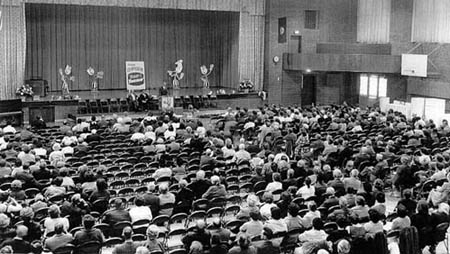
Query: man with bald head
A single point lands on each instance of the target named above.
(18, 244)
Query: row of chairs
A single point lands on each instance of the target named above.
(197, 101)
(110, 105)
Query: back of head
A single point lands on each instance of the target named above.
(127, 232)
(293, 209)
(268, 232)
(215, 180)
(374, 216)
(101, 184)
(402, 211)
(244, 241)
(142, 250)
(276, 213)
(21, 231)
(88, 221)
(317, 223)
(200, 175)
(59, 228)
(139, 201)
(163, 188)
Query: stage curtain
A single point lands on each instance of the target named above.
(12, 47)
(105, 37)
(373, 25)
(431, 21)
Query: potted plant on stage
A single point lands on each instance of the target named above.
(25, 92)
(246, 86)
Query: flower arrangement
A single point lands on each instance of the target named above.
(66, 77)
(246, 84)
(24, 90)
(94, 77)
(205, 73)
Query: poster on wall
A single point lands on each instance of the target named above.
(414, 65)
(135, 75)
(167, 103)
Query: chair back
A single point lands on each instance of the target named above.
(91, 247)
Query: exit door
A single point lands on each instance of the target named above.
(308, 90)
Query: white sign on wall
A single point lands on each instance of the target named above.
(414, 65)
(135, 75)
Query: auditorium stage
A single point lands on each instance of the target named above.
(53, 109)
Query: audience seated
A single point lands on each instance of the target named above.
(319, 175)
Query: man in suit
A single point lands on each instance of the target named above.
(128, 247)
(60, 239)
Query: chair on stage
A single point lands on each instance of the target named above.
(186, 101)
(213, 100)
(114, 105)
(205, 100)
(154, 102)
(123, 103)
(178, 102)
(82, 107)
(93, 106)
(193, 101)
(104, 106)
(196, 101)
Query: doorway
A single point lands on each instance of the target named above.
(309, 90)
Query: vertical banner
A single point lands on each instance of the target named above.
(135, 75)
(282, 30)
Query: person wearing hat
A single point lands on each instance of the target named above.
(152, 243)
(35, 232)
(60, 239)
(128, 246)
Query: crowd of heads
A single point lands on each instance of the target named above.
(319, 172)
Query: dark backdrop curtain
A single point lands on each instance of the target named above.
(106, 37)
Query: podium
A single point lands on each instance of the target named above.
(167, 103)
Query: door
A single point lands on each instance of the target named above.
(308, 90)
